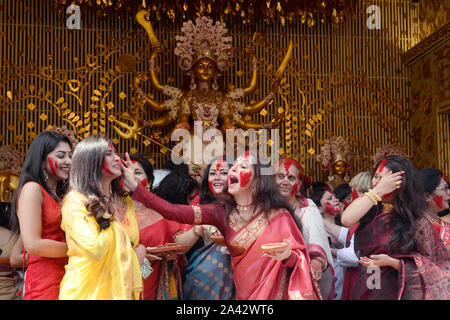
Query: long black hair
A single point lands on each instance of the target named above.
(146, 165)
(319, 188)
(342, 191)
(206, 196)
(86, 176)
(33, 170)
(430, 178)
(176, 187)
(266, 194)
(409, 204)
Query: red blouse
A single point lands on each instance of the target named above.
(44, 275)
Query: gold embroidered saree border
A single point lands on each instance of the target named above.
(197, 215)
(253, 230)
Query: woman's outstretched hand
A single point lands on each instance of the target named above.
(129, 183)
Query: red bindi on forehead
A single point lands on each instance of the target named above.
(287, 163)
(219, 164)
(246, 157)
(112, 147)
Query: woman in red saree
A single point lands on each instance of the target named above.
(395, 236)
(255, 214)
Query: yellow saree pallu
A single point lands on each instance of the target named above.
(102, 264)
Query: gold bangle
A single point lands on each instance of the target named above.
(323, 262)
(377, 197)
(371, 198)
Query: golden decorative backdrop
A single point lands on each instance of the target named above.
(429, 62)
(241, 11)
(343, 79)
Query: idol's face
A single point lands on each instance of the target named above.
(339, 168)
(241, 176)
(57, 163)
(204, 69)
(287, 180)
(218, 176)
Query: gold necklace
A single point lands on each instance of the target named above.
(210, 97)
(138, 208)
(435, 220)
(387, 206)
(242, 218)
(145, 210)
(244, 208)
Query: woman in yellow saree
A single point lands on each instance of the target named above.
(101, 229)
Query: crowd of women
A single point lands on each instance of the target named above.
(83, 221)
